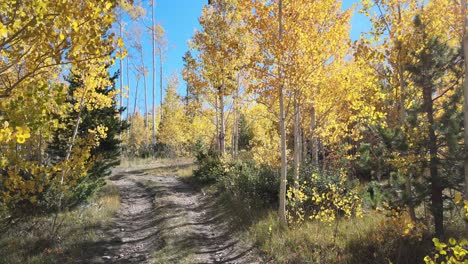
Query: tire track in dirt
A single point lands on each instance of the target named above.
(192, 225)
(164, 220)
(134, 232)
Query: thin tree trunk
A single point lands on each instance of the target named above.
(465, 96)
(282, 117)
(408, 191)
(160, 81)
(136, 97)
(217, 124)
(402, 113)
(146, 91)
(436, 183)
(121, 70)
(128, 87)
(305, 145)
(297, 147)
(67, 158)
(153, 138)
(314, 143)
(233, 137)
(186, 95)
(235, 134)
(301, 145)
(222, 141)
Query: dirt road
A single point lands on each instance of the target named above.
(164, 220)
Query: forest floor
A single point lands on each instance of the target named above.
(163, 219)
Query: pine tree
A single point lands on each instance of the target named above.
(103, 156)
(433, 61)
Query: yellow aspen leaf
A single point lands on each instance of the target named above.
(108, 6)
(75, 26)
(3, 31)
(457, 198)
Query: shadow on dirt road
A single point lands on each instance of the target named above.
(164, 220)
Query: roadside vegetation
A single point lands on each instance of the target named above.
(32, 240)
(372, 233)
(325, 148)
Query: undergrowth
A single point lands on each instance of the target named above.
(249, 193)
(31, 242)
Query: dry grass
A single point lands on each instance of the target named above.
(153, 162)
(369, 239)
(181, 170)
(30, 241)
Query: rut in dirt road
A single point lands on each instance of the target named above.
(164, 220)
(133, 234)
(194, 231)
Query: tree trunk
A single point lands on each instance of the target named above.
(160, 81)
(136, 97)
(301, 143)
(146, 92)
(305, 145)
(408, 191)
(222, 141)
(436, 183)
(402, 114)
(282, 117)
(128, 87)
(217, 124)
(297, 145)
(235, 134)
(314, 143)
(153, 138)
(121, 71)
(69, 150)
(465, 96)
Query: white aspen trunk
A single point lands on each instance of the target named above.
(236, 132)
(136, 97)
(146, 92)
(297, 145)
(314, 142)
(284, 169)
(301, 143)
(121, 70)
(153, 138)
(128, 87)
(160, 81)
(68, 154)
(218, 147)
(304, 145)
(222, 141)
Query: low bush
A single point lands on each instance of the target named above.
(257, 186)
(210, 169)
(323, 197)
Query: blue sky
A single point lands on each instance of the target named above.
(179, 18)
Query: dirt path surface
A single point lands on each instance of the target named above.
(164, 220)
